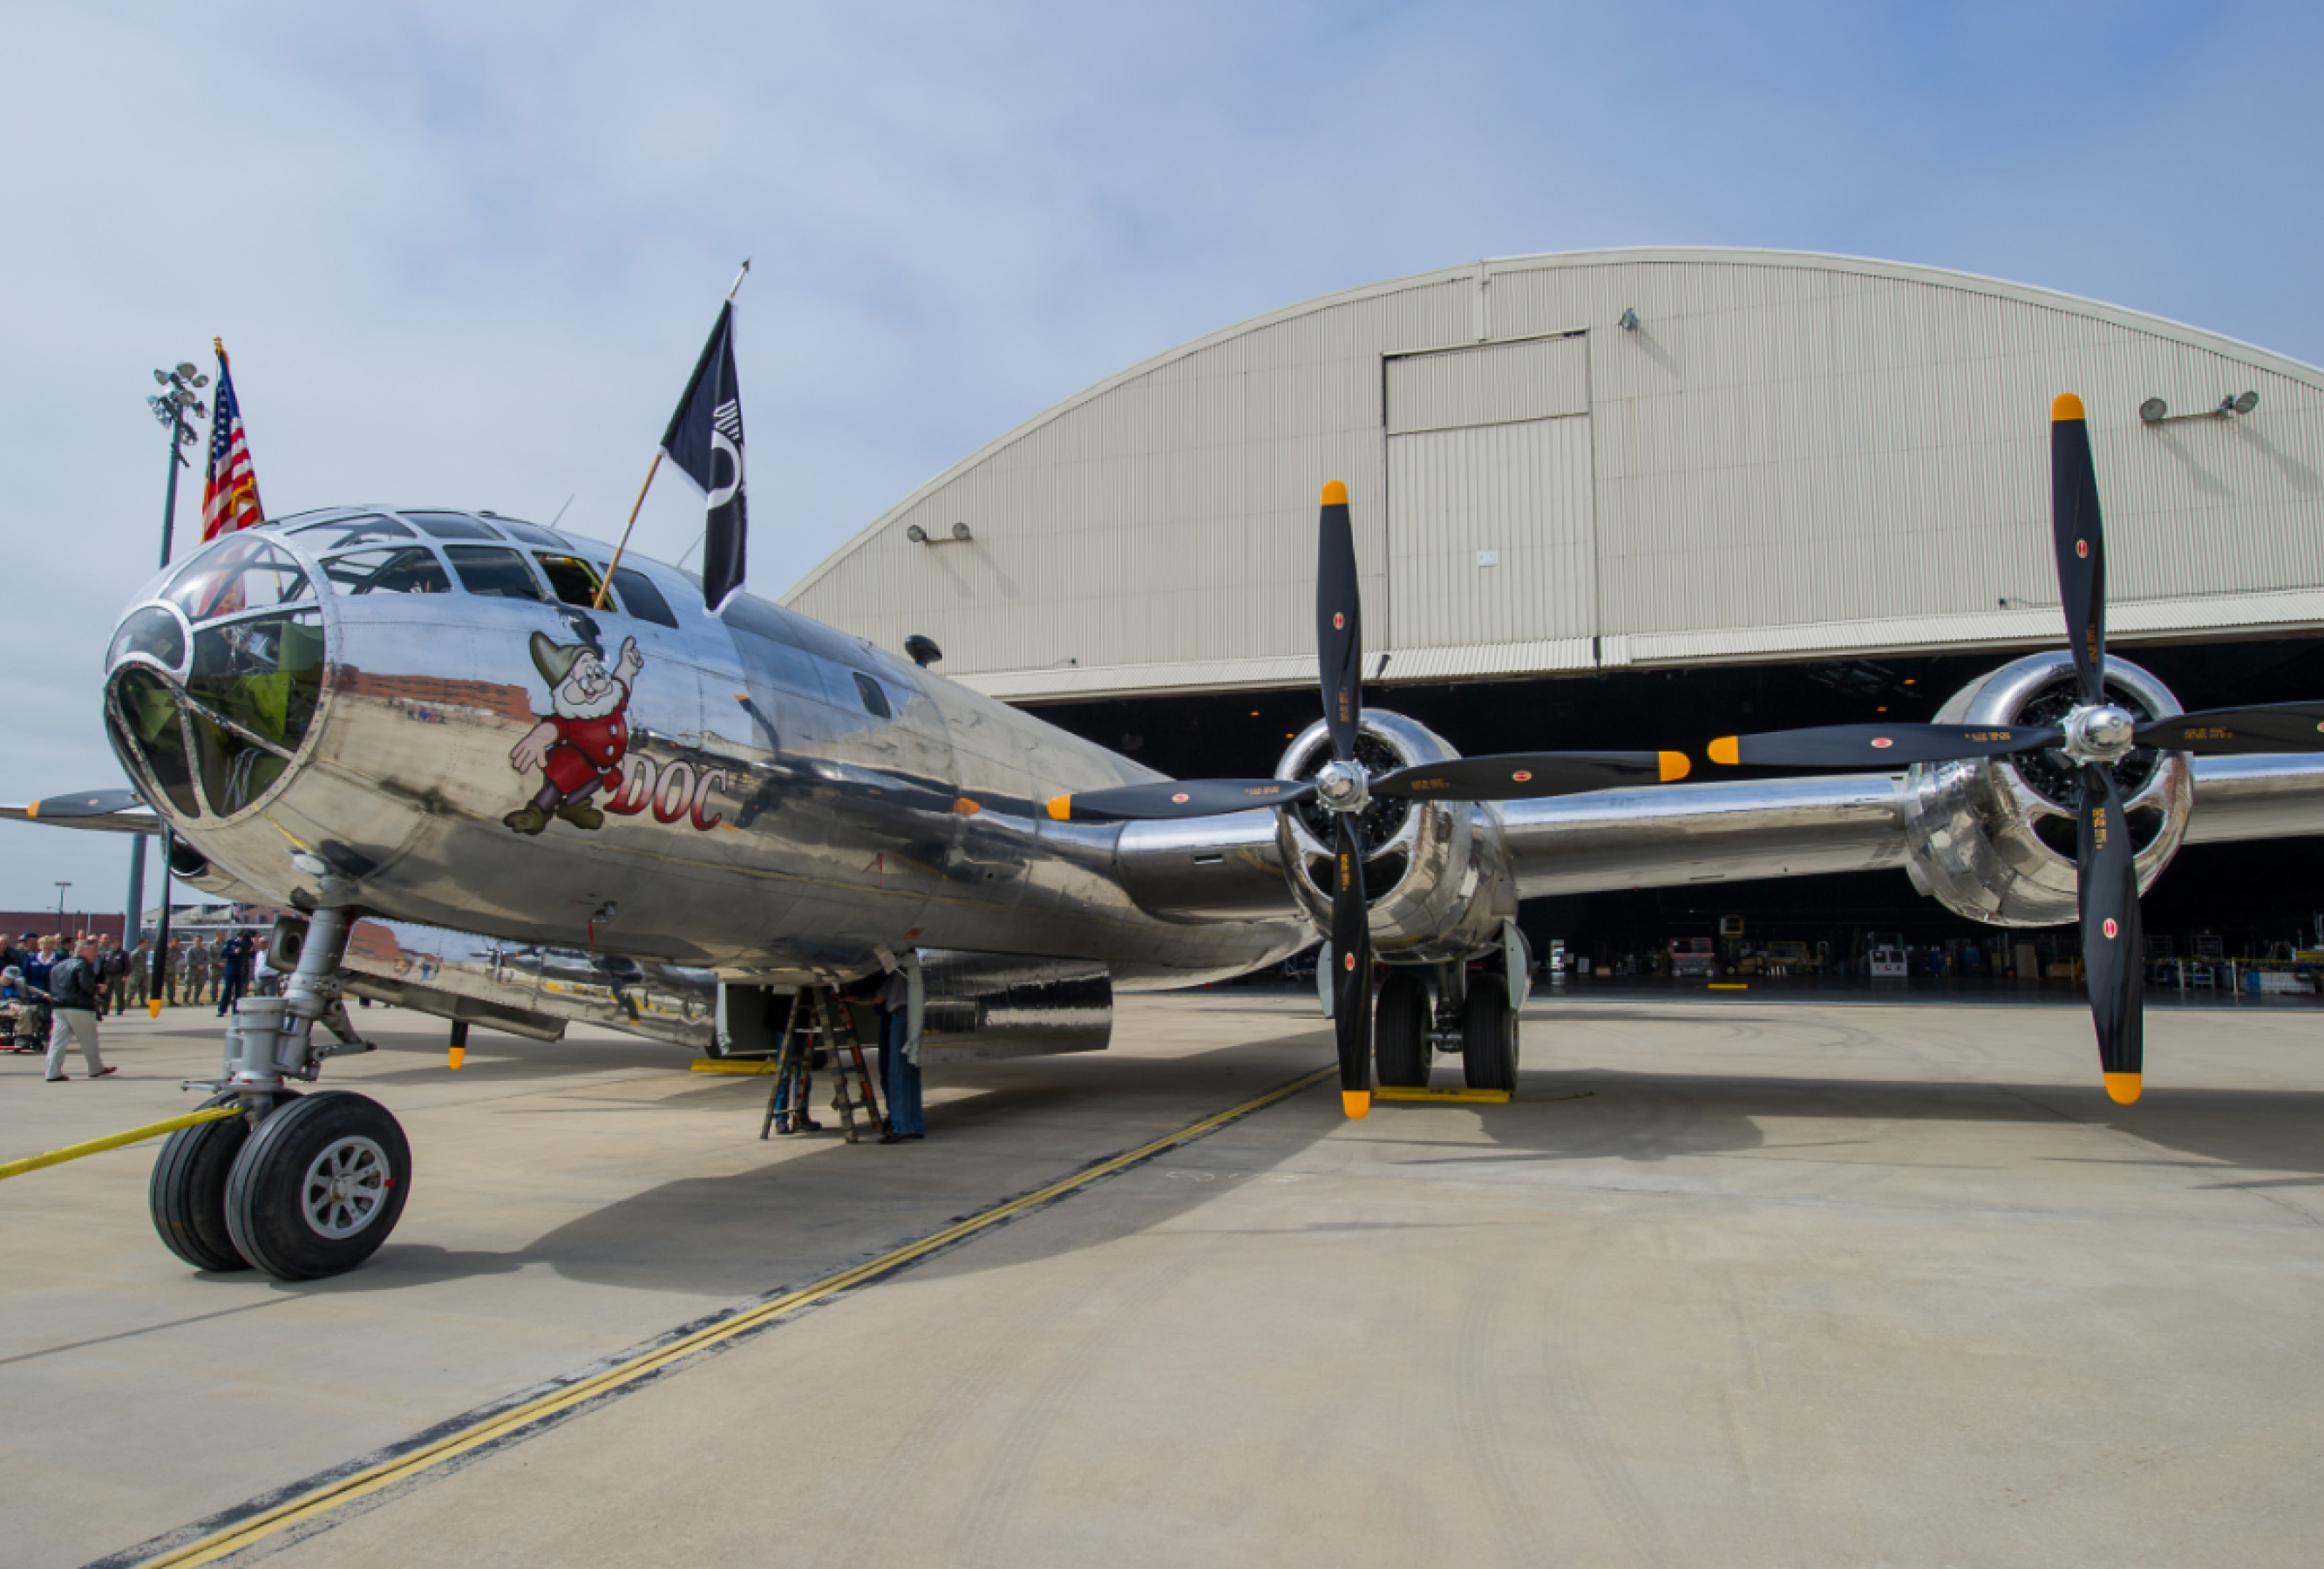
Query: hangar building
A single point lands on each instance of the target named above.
(1632, 498)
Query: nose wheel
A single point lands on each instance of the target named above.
(319, 1186)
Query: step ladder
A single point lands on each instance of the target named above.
(821, 1019)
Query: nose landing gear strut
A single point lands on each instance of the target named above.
(300, 1187)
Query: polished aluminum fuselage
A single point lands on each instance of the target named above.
(778, 830)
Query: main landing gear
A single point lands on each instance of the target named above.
(300, 1187)
(1418, 1015)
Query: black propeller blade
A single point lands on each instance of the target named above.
(1193, 797)
(1877, 745)
(85, 804)
(1338, 624)
(2080, 539)
(2113, 950)
(1524, 776)
(1352, 969)
(2217, 732)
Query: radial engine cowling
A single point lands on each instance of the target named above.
(1995, 839)
(1436, 873)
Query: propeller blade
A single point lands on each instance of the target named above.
(2080, 539)
(1878, 745)
(84, 804)
(2265, 727)
(1524, 776)
(2113, 950)
(1339, 622)
(1352, 980)
(1185, 798)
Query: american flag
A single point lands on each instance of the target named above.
(230, 496)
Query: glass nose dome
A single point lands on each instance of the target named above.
(209, 721)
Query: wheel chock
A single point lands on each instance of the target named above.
(1444, 1097)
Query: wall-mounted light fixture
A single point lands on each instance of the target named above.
(2155, 411)
(920, 536)
(1628, 320)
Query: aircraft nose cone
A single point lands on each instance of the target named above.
(210, 689)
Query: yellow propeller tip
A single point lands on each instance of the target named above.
(1357, 1104)
(1675, 765)
(1062, 807)
(2122, 1089)
(1726, 749)
(153, 1009)
(1335, 494)
(964, 808)
(2064, 407)
(459, 1055)
(32, 811)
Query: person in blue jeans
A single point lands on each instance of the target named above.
(899, 1064)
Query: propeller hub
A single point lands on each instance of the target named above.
(2100, 733)
(1343, 787)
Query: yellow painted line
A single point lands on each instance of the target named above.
(1481, 1097)
(716, 1064)
(331, 1495)
(1729, 986)
(116, 1140)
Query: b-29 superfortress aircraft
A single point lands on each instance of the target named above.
(497, 787)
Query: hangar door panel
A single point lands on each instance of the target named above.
(1491, 535)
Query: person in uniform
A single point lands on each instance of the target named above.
(137, 990)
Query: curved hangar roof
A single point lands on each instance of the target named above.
(1787, 456)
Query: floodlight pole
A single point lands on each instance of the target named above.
(170, 407)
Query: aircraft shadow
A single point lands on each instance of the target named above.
(791, 1220)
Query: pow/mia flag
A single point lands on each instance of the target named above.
(705, 440)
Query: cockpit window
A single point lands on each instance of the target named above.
(452, 525)
(151, 631)
(143, 719)
(494, 572)
(343, 534)
(532, 533)
(641, 598)
(876, 696)
(408, 570)
(236, 575)
(253, 690)
(573, 579)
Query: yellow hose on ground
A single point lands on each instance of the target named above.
(116, 1140)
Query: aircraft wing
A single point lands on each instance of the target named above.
(111, 811)
(1679, 834)
(1230, 867)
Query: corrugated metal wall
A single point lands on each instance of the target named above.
(1791, 456)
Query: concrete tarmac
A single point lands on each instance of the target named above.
(1729, 1284)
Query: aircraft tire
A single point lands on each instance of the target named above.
(319, 1186)
(1488, 1035)
(186, 1194)
(1400, 1021)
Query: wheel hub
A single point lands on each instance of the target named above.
(345, 1186)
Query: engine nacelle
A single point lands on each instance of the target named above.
(1436, 872)
(1995, 839)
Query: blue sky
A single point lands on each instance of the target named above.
(465, 252)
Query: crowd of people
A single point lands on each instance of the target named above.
(53, 989)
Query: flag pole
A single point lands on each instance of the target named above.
(651, 469)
